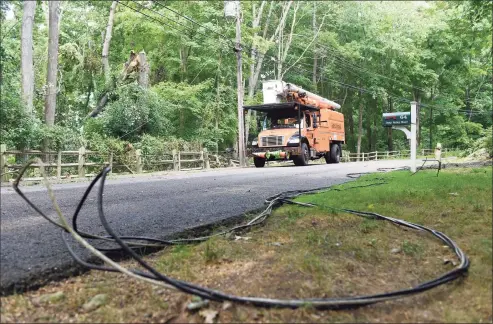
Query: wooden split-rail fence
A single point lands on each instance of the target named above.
(85, 163)
(387, 155)
(78, 164)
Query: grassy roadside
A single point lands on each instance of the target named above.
(310, 252)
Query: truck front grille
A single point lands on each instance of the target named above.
(272, 140)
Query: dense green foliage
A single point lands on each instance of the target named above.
(375, 55)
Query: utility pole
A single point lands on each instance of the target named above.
(239, 72)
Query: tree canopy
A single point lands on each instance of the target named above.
(371, 57)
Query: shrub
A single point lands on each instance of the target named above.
(488, 143)
(134, 111)
(18, 129)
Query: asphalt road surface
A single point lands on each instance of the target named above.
(32, 251)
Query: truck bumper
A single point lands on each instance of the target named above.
(275, 153)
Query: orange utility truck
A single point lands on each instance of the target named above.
(298, 125)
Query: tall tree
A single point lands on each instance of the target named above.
(314, 27)
(280, 26)
(255, 24)
(360, 122)
(107, 40)
(251, 86)
(27, 68)
(51, 75)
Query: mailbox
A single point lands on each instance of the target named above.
(397, 118)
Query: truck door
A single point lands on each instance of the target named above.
(309, 128)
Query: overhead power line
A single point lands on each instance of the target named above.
(192, 21)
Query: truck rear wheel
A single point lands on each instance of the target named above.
(302, 159)
(259, 162)
(335, 153)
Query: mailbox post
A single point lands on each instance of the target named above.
(400, 120)
(413, 136)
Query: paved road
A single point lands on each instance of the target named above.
(151, 205)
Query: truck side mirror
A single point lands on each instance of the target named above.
(315, 121)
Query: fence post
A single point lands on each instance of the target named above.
(202, 158)
(206, 159)
(175, 160)
(3, 169)
(59, 165)
(110, 163)
(138, 157)
(376, 155)
(82, 157)
(179, 161)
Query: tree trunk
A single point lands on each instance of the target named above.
(351, 127)
(89, 91)
(143, 70)
(106, 44)
(375, 134)
(251, 84)
(253, 54)
(266, 27)
(27, 68)
(314, 27)
(284, 48)
(182, 123)
(418, 123)
(51, 75)
(343, 100)
(360, 123)
(304, 51)
(368, 130)
(431, 128)
(390, 143)
(375, 127)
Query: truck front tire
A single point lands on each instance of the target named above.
(302, 159)
(327, 157)
(259, 162)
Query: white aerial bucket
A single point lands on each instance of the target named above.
(272, 91)
(230, 8)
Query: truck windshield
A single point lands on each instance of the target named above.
(276, 123)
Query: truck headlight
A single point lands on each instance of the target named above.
(295, 139)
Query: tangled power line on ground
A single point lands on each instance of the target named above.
(130, 245)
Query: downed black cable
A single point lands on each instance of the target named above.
(431, 160)
(274, 201)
